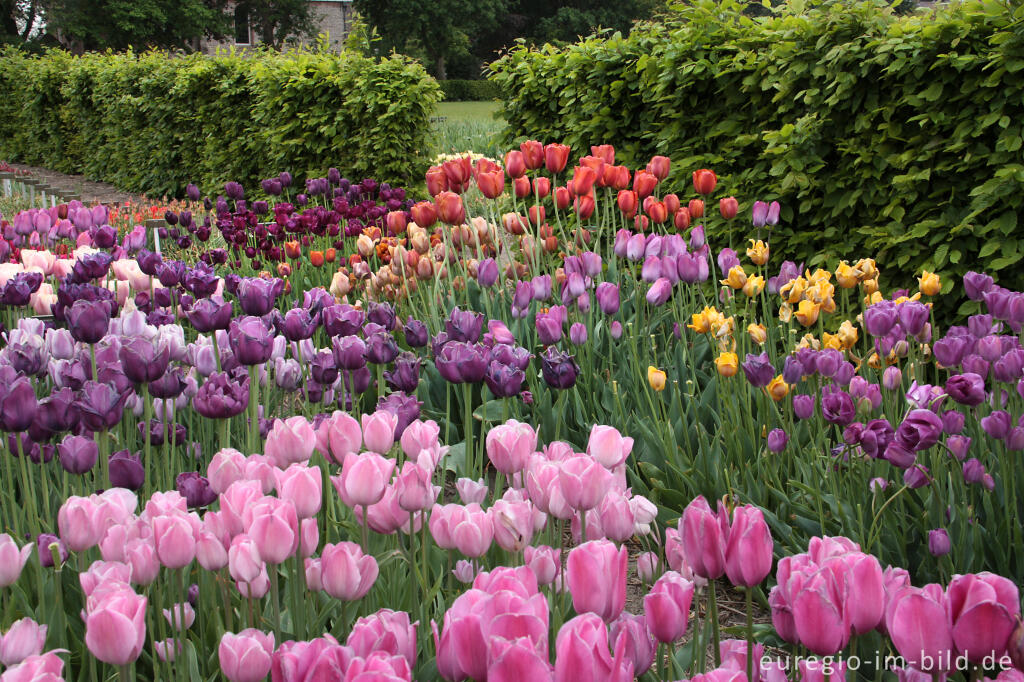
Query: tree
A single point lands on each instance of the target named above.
(440, 29)
(277, 21)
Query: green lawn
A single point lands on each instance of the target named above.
(467, 126)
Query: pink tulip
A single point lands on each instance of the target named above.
(246, 657)
(464, 571)
(596, 575)
(812, 670)
(644, 514)
(818, 613)
(461, 648)
(419, 436)
(321, 659)
(388, 631)
(167, 650)
(142, 558)
(77, 523)
(471, 491)
(12, 560)
(516, 660)
(275, 529)
(24, 638)
(378, 666)
(314, 575)
(244, 561)
(859, 579)
(647, 567)
(584, 482)
(414, 489)
(161, 503)
(667, 607)
(520, 580)
(733, 653)
(704, 536)
(175, 540)
(721, 674)
(608, 446)
(310, 537)
(101, 572)
(256, 588)
(509, 445)
(544, 561)
(47, 667)
(443, 518)
(210, 551)
(893, 582)
(178, 614)
(346, 572)
(379, 431)
(290, 441)
(616, 516)
(263, 469)
(387, 517)
(339, 436)
(581, 653)
(513, 524)
(640, 646)
(115, 628)
(226, 467)
(303, 486)
(234, 503)
(984, 610)
(541, 480)
(363, 479)
(748, 552)
(474, 532)
(820, 549)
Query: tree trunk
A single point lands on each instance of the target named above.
(442, 72)
(30, 20)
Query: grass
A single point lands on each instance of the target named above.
(467, 126)
(12, 205)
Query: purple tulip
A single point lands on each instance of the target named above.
(803, 406)
(837, 407)
(540, 287)
(405, 376)
(141, 361)
(18, 405)
(916, 477)
(208, 314)
(578, 334)
(88, 321)
(607, 295)
(659, 292)
(126, 470)
(504, 380)
(913, 315)
(298, 324)
(919, 430)
(727, 260)
(77, 454)
(257, 295)
(777, 440)
(487, 273)
(464, 325)
(880, 318)
(997, 425)
(549, 328)
(892, 378)
(559, 368)
(101, 405)
(195, 489)
(405, 407)
(759, 214)
(381, 348)
(758, 369)
(792, 370)
(460, 362)
(950, 350)
(251, 341)
(382, 314)
(976, 284)
(221, 397)
(938, 542)
(43, 542)
(967, 389)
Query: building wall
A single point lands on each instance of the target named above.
(334, 17)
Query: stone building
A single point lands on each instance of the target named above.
(333, 17)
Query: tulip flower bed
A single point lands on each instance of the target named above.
(235, 472)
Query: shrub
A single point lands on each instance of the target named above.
(899, 136)
(152, 123)
(456, 90)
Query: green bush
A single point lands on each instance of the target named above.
(895, 136)
(153, 123)
(469, 91)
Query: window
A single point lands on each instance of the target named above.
(241, 25)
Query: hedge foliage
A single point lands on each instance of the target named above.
(879, 134)
(153, 123)
(456, 90)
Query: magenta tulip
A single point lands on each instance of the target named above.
(705, 535)
(581, 653)
(667, 607)
(640, 646)
(596, 575)
(818, 614)
(516, 660)
(78, 523)
(919, 627)
(748, 552)
(388, 631)
(983, 608)
(474, 532)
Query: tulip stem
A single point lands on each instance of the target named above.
(254, 422)
(750, 633)
(27, 491)
(713, 601)
(274, 588)
(225, 431)
(147, 416)
(468, 428)
(122, 673)
(366, 523)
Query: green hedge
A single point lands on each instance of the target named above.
(456, 90)
(152, 123)
(879, 134)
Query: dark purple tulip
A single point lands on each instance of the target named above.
(487, 273)
(516, 356)
(233, 190)
(976, 284)
(578, 334)
(149, 262)
(77, 454)
(899, 456)
(382, 314)
(349, 352)
(195, 489)
(101, 405)
(231, 282)
(272, 186)
(659, 292)
(58, 411)
(916, 477)
(43, 543)
(919, 430)
(875, 438)
(504, 381)
(803, 406)
(967, 389)
(286, 179)
(405, 376)
(464, 325)
(156, 432)
(559, 368)
(298, 324)
(201, 280)
(342, 320)
(322, 368)
(126, 470)
(141, 361)
(880, 318)
(18, 405)
(88, 321)
(950, 350)
(257, 295)
(952, 422)
(104, 236)
(607, 295)
(171, 272)
(460, 362)
(357, 381)
(405, 407)
(758, 369)
(221, 397)
(1015, 439)
(19, 289)
(997, 300)
(416, 334)
(973, 471)
(251, 341)
(260, 207)
(27, 358)
(837, 407)
(380, 347)
(792, 370)
(192, 192)
(997, 424)
(209, 314)
(777, 440)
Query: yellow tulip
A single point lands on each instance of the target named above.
(846, 275)
(807, 313)
(656, 378)
(808, 341)
(820, 275)
(754, 285)
(736, 278)
(873, 298)
(785, 312)
(758, 334)
(848, 334)
(870, 286)
(777, 389)
(828, 306)
(929, 283)
(758, 252)
(793, 290)
(867, 268)
(699, 323)
(832, 341)
(727, 364)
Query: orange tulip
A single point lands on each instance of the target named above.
(450, 209)
(537, 214)
(696, 208)
(491, 183)
(292, 249)
(584, 206)
(521, 187)
(485, 165)
(316, 258)
(515, 163)
(583, 179)
(459, 172)
(681, 218)
(597, 163)
(728, 207)
(424, 213)
(616, 177)
(556, 156)
(641, 222)
(644, 183)
(331, 254)
(562, 198)
(513, 223)
(604, 151)
(533, 154)
(704, 181)
(627, 202)
(659, 167)
(437, 181)
(657, 211)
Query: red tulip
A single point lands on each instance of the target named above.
(616, 177)
(459, 172)
(657, 211)
(983, 608)
(556, 156)
(696, 208)
(627, 202)
(644, 183)
(491, 183)
(521, 187)
(728, 207)
(485, 165)
(396, 221)
(596, 575)
(515, 163)
(704, 181)
(562, 198)
(584, 206)
(667, 607)
(424, 213)
(542, 187)
(537, 214)
(681, 218)
(918, 625)
(437, 180)
(748, 553)
(659, 167)
(533, 154)
(704, 538)
(641, 223)
(605, 151)
(583, 179)
(450, 209)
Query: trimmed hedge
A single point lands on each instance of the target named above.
(153, 123)
(469, 91)
(879, 134)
